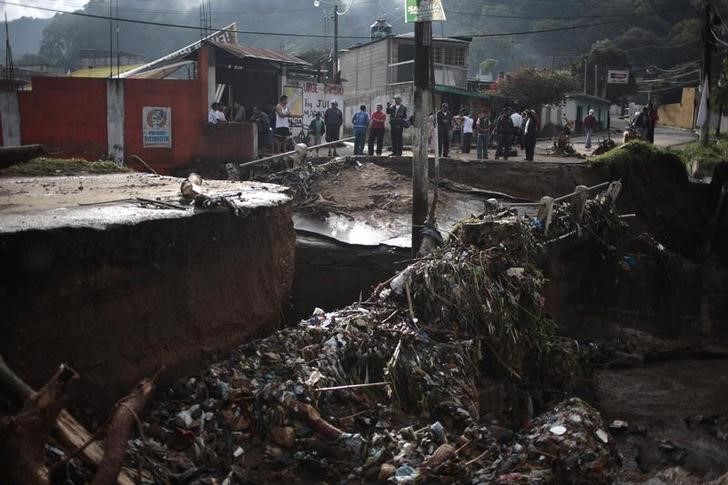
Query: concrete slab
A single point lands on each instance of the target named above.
(99, 201)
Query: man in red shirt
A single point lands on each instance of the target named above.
(590, 124)
(376, 130)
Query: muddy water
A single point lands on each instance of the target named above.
(658, 398)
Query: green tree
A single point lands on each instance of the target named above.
(605, 56)
(530, 87)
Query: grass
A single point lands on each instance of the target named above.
(706, 157)
(61, 166)
(638, 155)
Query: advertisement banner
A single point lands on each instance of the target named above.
(157, 127)
(424, 11)
(617, 77)
(305, 99)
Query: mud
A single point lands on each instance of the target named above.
(666, 405)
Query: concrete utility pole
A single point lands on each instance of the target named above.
(707, 51)
(421, 109)
(596, 85)
(336, 44)
(586, 63)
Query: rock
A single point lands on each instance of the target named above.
(618, 426)
(386, 471)
(284, 436)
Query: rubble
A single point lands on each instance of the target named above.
(388, 388)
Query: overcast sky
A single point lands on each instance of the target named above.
(15, 11)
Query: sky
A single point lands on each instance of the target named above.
(15, 11)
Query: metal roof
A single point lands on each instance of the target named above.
(246, 51)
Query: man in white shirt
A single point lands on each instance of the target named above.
(517, 120)
(220, 114)
(212, 114)
(467, 132)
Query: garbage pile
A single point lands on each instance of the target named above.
(392, 388)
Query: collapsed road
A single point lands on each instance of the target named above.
(509, 355)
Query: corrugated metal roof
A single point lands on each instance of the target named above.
(246, 51)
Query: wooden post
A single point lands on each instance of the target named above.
(421, 109)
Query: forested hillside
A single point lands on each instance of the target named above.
(660, 32)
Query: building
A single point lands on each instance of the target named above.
(93, 58)
(574, 109)
(378, 70)
(159, 111)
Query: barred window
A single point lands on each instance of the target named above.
(438, 55)
(459, 59)
(448, 55)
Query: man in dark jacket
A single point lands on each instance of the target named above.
(397, 119)
(504, 130)
(444, 124)
(530, 129)
(333, 119)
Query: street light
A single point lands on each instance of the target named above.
(335, 59)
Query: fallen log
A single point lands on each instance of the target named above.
(69, 432)
(19, 154)
(23, 436)
(119, 431)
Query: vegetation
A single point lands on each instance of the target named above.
(705, 157)
(529, 87)
(638, 155)
(604, 54)
(61, 166)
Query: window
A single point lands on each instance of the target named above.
(459, 58)
(438, 55)
(447, 58)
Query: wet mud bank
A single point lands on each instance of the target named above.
(331, 274)
(120, 300)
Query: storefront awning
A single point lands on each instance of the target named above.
(441, 88)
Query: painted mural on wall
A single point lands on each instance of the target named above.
(157, 127)
(305, 99)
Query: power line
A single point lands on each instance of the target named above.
(555, 17)
(663, 46)
(288, 34)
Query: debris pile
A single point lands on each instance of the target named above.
(392, 388)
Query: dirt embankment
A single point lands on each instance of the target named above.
(119, 301)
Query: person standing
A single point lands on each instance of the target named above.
(590, 124)
(282, 131)
(239, 114)
(504, 130)
(652, 120)
(333, 119)
(317, 129)
(530, 129)
(360, 120)
(483, 129)
(467, 132)
(517, 135)
(444, 124)
(376, 130)
(397, 120)
(262, 122)
(457, 130)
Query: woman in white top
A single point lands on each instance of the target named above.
(467, 132)
(283, 130)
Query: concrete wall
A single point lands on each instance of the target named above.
(115, 119)
(99, 118)
(682, 114)
(9, 119)
(66, 115)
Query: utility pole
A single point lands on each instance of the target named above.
(586, 63)
(422, 107)
(336, 44)
(707, 51)
(596, 86)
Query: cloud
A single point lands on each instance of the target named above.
(15, 11)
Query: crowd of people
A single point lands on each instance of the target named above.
(645, 121)
(509, 127)
(445, 128)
